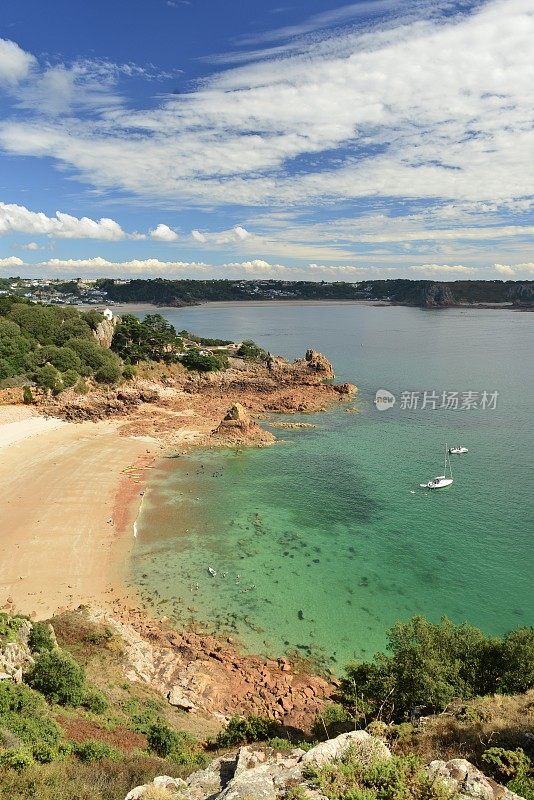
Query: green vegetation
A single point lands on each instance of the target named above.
(430, 664)
(203, 340)
(51, 347)
(9, 627)
(398, 778)
(190, 292)
(511, 767)
(76, 728)
(58, 677)
(251, 351)
(244, 730)
(153, 339)
(204, 362)
(41, 638)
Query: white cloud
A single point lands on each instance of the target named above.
(235, 234)
(30, 246)
(162, 233)
(444, 269)
(15, 63)
(367, 101)
(11, 261)
(145, 267)
(516, 271)
(18, 219)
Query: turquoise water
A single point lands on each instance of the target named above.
(329, 532)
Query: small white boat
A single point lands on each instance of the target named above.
(441, 481)
(458, 450)
(212, 572)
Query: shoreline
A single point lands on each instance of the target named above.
(68, 506)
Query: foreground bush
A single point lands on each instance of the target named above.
(398, 778)
(58, 677)
(176, 746)
(245, 730)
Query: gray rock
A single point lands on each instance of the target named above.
(366, 747)
(255, 784)
(210, 782)
(466, 781)
(176, 697)
(169, 783)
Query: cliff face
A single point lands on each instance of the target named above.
(438, 295)
(104, 332)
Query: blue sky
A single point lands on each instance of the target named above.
(298, 139)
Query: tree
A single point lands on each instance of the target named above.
(62, 358)
(109, 372)
(59, 677)
(153, 339)
(128, 339)
(430, 664)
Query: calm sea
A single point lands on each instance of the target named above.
(322, 542)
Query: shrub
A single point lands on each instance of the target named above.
(9, 627)
(129, 372)
(244, 730)
(177, 747)
(70, 378)
(81, 387)
(95, 701)
(27, 396)
(59, 677)
(250, 351)
(209, 362)
(523, 785)
(20, 699)
(49, 378)
(398, 778)
(41, 637)
(93, 750)
(109, 372)
(506, 764)
(161, 739)
(16, 759)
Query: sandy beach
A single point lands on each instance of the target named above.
(69, 498)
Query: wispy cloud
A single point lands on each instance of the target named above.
(369, 98)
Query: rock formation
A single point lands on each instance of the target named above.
(437, 295)
(237, 426)
(16, 656)
(251, 774)
(315, 363)
(104, 331)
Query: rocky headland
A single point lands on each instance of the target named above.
(179, 408)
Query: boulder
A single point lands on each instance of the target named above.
(238, 426)
(366, 747)
(466, 781)
(176, 697)
(172, 785)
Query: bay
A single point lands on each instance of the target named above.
(323, 541)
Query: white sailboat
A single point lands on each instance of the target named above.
(458, 450)
(441, 481)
